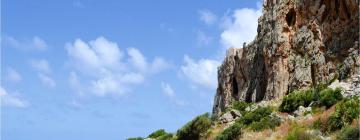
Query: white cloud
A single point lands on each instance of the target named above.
(203, 39)
(41, 65)
(168, 91)
(137, 59)
(107, 69)
(35, 43)
(46, 80)
(43, 69)
(202, 72)
(158, 65)
(240, 27)
(11, 99)
(207, 17)
(12, 75)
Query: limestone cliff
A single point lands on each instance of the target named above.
(300, 43)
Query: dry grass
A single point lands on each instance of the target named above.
(280, 132)
(216, 130)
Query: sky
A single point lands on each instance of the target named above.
(113, 69)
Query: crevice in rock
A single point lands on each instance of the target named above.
(313, 75)
(337, 3)
(235, 90)
(291, 17)
(346, 9)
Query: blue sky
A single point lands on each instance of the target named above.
(113, 69)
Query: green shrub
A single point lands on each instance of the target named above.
(265, 123)
(157, 133)
(349, 109)
(295, 99)
(241, 105)
(231, 133)
(329, 97)
(349, 133)
(345, 112)
(167, 136)
(334, 123)
(256, 115)
(138, 138)
(195, 128)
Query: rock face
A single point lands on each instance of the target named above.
(300, 43)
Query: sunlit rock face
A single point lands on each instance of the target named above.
(300, 44)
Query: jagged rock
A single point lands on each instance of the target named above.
(291, 117)
(302, 110)
(350, 87)
(230, 116)
(300, 43)
(318, 134)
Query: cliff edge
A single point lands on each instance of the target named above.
(299, 44)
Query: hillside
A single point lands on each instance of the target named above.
(298, 80)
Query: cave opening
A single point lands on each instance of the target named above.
(291, 17)
(235, 88)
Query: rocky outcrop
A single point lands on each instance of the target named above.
(300, 43)
(230, 116)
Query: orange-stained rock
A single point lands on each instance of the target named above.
(300, 43)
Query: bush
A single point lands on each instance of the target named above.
(168, 136)
(195, 128)
(349, 133)
(295, 99)
(265, 123)
(349, 109)
(157, 133)
(256, 115)
(241, 105)
(329, 97)
(231, 133)
(345, 112)
(334, 123)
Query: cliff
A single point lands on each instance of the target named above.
(299, 44)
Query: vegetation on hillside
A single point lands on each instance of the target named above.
(334, 116)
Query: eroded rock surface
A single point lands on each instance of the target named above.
(300, 43)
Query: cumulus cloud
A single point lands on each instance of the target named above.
(207, 17)
(12, 75)
(201, 72)
(44, 71)
(107, 68)
(35, 43)
(11, 100)
(137, 59)
(46, 80)
(240, 27)
(41, 65)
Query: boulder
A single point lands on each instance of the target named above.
(230, 116)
